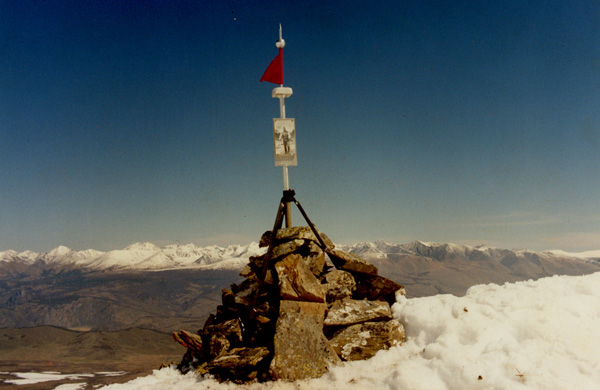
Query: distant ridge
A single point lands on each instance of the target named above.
(428, 268)
(145, 256)
(381, 249)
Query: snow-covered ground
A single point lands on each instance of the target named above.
(29, 378)
(542, 334)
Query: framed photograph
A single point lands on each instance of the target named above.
(284, 136)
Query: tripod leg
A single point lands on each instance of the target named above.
(278, 219)
(267, 260)
(312, 226)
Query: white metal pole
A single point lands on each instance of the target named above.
(282, 107)
(280, 44)
(286, 179)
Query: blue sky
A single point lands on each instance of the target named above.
(470, 122)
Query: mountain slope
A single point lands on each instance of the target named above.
(430, 268)
(164, 300)
(102, 357)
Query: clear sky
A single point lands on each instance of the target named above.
(472, 122)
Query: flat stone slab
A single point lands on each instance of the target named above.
(350, 262)
(375, 287)
(303, 233)
(238, 364)
(363, 341)
(301, 350)
(240, 357)
(286, 248)
(189, 340)
(350, 312)
(297, 282)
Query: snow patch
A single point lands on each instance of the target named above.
(71, 386)
(28, 378)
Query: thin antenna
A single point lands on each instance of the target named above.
(281, 42)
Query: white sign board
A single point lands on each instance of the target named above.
(284, 136)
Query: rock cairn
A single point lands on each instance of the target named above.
(302, 307)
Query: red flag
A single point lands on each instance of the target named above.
(274, 73)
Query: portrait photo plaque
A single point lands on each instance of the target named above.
(284, 136)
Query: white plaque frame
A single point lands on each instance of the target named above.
(284, 142)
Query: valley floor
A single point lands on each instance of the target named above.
(90, 359)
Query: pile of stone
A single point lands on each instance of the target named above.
(302, 307)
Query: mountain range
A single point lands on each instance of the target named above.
(431, 268)
(177, 286)
(149, 257)
(139, 256)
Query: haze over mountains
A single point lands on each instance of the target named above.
(177, 286)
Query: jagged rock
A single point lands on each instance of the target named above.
(265, 309)
(375, 287)
(303, 233)
(189, 340)
(256, 262)
(297, 282)
(262, 319)
(362, 341)
(340, 285)
(245, 292)
(350, 262)
(315, 259)
(227, 297)
(295, 233)
(350, 312)
(265, 239)
(210, 320)
(240, 357)
(188, 362)
(301, 350)
(222, 336)
(248, 273)
(238, 363)
(259, 328)
(253, 271)
(218, 344)
(286, 248)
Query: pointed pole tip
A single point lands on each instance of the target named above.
(280, 44)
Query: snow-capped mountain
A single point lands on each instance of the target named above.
(149, 257)
(381, 249)
(427, 268)
(376, 249)
(139, 256)
(26, 257)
